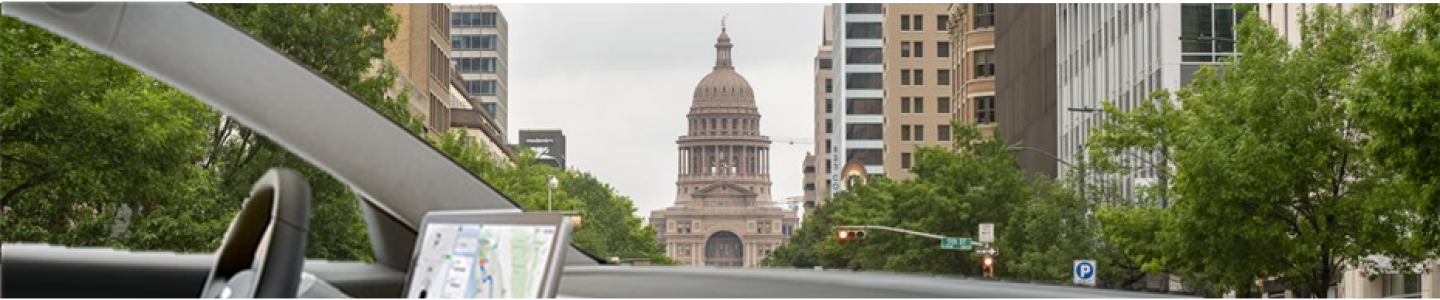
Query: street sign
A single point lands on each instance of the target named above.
(987, 232)
(956, 243)
(988, 251)
(1084, 272)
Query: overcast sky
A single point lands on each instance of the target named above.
(618, 79)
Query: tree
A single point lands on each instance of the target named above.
(1395, 107)
(1269, 158)
(85, 137)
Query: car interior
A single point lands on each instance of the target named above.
(399, 177)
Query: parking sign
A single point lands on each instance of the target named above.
(1084, 272)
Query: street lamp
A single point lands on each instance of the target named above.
(553, 183)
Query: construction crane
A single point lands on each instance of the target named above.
(792, 140)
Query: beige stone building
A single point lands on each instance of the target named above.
(972, 37)
(421, 52)
(817, 163)
(892, 86)
(723, 214)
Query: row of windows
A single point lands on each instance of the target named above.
(864, 56)
(484, 87)
(917, 49)
(439, 64)
(917, 22)
(440, 17)
(864, 8)
(876, 106)
(917, 76)
(474, 19)
(864, 30)
(474, 42)
(477, 64)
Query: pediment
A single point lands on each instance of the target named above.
(723, 190)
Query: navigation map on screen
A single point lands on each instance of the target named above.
(482, 261)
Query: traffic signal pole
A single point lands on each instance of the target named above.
(887, 228)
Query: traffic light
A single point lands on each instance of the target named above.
(989, 266)
(849, 234)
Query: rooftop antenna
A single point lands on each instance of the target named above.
(722, 21)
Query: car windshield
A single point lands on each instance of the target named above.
(1240, 150)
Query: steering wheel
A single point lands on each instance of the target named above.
(263, 253)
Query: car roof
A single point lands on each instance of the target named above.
(396, 173)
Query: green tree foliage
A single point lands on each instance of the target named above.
(1396, 107)
(1265, 158)
(85, 137)
(1042, 226)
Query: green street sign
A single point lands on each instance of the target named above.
(955, 243)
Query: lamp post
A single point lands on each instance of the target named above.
(553, 183)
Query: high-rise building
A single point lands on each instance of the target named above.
(817, 163)
(1025, 84)
(723, 214)
(421, 53)
(972, 47)
(548, 144)
(479, 43)
(1122, 52)
(892, 86)
(1285, 17)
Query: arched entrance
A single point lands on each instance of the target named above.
(724, 249)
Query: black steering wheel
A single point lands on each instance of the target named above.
(263, 253)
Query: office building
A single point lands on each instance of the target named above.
(817, 163)
(1122, 52)
(1025, 84)
(892, 86)
(973, 53)
(479, 43)
(420, 52)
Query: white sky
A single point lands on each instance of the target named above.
(618, 79)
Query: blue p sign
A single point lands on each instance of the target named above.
(1084, 272)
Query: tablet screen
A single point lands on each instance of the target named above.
(482, 261)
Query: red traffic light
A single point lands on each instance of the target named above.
(849, 234)
(989, 261)
(844, 235)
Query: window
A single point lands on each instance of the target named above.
(864, 132)
(919, 22)
(490, 107)
(470, 19)
(1400, 285)
(919, 48)
(904, 22)
(905, 49)
(905, 160)
(871, 81)
(865, 56)
(462, 42)
(828, 169)
(944, 132)
(829, 85)
(440, 17)
(867, 156)
(942, 77)
(984, 63)
(809, 186)
(919, 75)
(476, 64)
(942, 105)
(827, 151)
(864, 8)
(487, 88)
(919, 133)
(868, 30)
(905, 133)
(919, 106)
(904, 105)
(829, 106)
(942, 22)
(864, 106)
(985, 109)
(984, 15)
(439, 64)
(904, 76)
(826, 63)
(942, 49)
(829, 126)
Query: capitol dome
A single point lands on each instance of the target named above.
(723, 87)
